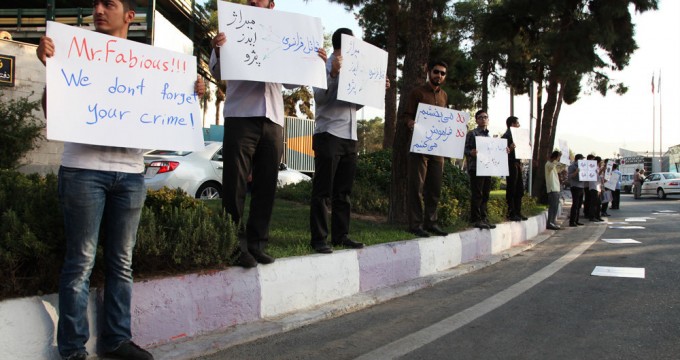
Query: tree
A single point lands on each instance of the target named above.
(560, 43)
(370, 134)
(20, 130)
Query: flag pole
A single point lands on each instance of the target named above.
(653, 121)
(658, 89)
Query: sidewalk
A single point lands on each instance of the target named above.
(186, 316)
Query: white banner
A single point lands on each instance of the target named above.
(608, 169)
(104, 90)
(363, 73)
(270, 46)
(587, 170)
(522, 142)
(564, 149)
(611, 183)
(492, 156)
(439, 131)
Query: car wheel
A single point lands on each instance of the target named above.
(661, 194)
(209, 190)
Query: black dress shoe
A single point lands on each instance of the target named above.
(246, 260)
(322, 248)
(436, 230)
(572, 225)
(481, 225)
(419, 232)
(553, 227)
(348, 243)
(523, 217)
(515, 218)
(490, 225)
(579, 224)
(129, 351)
(605, 214)
(261, 257)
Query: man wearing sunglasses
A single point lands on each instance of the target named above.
(425, 171)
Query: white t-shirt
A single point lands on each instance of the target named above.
(103, 158)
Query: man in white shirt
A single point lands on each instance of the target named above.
(552, 184)
(253, 146)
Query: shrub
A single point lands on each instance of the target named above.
(20, 130)
(177, 233)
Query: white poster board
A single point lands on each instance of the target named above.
(564, 149)
(363, 73)
(522, 142)
(439, 131)
(611, 183)
(587, 170)
(270, 46)
(104, 90)
(492, 156)
(608, 169)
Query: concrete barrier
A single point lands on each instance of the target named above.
(171, 309)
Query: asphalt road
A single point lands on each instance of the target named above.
(541, 304)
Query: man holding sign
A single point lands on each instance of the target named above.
(335, 158)
(425, 171)
(99, 184)
(514, 190)
(253, 146)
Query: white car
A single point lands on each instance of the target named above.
(661, 184)
(199, 173)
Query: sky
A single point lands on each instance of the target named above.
(594, 124)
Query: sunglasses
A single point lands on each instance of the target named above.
(439, 72)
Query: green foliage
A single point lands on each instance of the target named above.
(20, 130)
(370, 135)
(177, 233)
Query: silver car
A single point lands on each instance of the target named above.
(199, 173)
(661, 184)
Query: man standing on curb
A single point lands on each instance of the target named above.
(616, 194)
(335, 158)
(100, 185)
(253, 145)
(425, 171)
(514, 191)
(576, 192)
(480, 186)
(552, 184)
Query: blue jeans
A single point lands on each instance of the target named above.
(87, 197)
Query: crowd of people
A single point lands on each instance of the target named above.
(102, 186)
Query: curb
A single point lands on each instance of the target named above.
(186, 316)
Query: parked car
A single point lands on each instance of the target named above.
(199, 173)
(627, 183)
(661, 184)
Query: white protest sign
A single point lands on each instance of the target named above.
(621, 241)
(608, 169)
(270, 46)
(625, 272)
(587, 170)
(492, 156)
(611, 183)
(564, 148)
(439, 131)
(363, 73)
(104, 90)
(522, 141)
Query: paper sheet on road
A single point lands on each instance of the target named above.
(626, 227)
(621, 241)
(619, 272)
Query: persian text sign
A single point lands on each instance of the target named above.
(439, 131)
(492, 156)
(564, 148)
(271, 46)
(104, 90)
(587, 170)
(363, 73)
(522, 143)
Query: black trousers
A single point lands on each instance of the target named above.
(424, 189)
(616, 198)
(252, 146)
(335, 162)
(514, 190)
(576, 202)
(480, 187)
(594, 205)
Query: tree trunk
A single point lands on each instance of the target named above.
(391, 93)
(485, 85)
(544, 146)
(415, 63)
